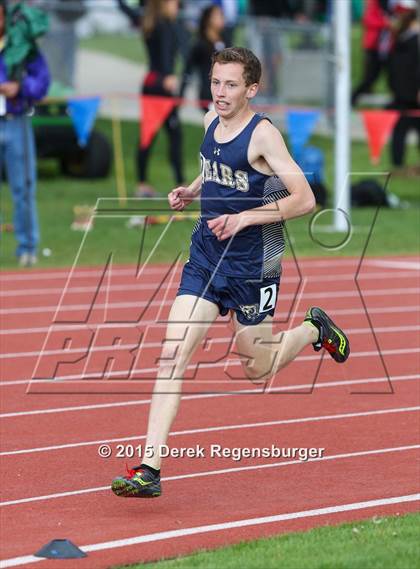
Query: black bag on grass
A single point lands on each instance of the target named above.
(368, 193)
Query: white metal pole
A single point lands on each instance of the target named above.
(342, 22)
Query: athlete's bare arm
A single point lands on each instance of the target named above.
(268, 153)
(268, 150)
(182, 196)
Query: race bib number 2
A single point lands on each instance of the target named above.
(268, 295)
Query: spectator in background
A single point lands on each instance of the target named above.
(20, 86)
(376, 44)
(132, 13)
(210, 39)
(232, 9)
(161, 33)
(404, 76)
(266, 8)
(300, 11)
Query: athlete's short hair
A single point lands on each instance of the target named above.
(251, 63)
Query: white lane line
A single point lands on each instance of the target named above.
(153, 269)
(81, 273)
(134, 373)
(280, 315)
(64, 308)
(153, 345)
(183, 532)
(413, 265)
(286, 388)
(140, 286)
(221, 428)
(218, 472)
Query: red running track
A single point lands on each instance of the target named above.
(364, 414)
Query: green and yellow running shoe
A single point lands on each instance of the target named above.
(138, 483)
(331, 337)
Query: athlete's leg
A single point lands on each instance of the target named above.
(189, 320)
(263, 353)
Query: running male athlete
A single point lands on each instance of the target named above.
(235, 255)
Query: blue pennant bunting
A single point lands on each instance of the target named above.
(83, 114)
(300, 125)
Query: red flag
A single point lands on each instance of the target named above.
(154, 112)
(378, 126)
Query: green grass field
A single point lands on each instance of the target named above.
(395, 231)
(379, 543)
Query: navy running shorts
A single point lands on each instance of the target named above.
(251, 300)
